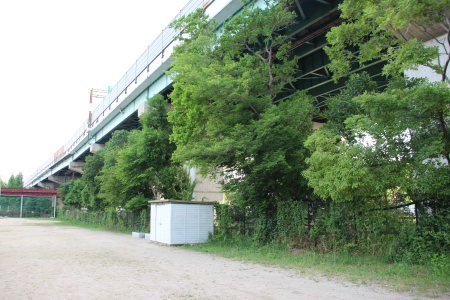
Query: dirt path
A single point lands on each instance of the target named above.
(38, 261)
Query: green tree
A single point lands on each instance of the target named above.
(396, 154)
(71, 193)
(111, 189)
(144, 166)
(407, 123)
(92, 183)
(342, 106)
(15, 181)
(35, 206)
(393, 146)
(225, 111)
(396, 144)
(11, 181)
(378, 29)
(167, 178)
(19, 180)
(142, 169)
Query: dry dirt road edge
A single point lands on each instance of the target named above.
(41, 260)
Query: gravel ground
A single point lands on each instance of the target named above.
(38, 261)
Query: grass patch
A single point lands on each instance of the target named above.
(71, 222)
(429, 280)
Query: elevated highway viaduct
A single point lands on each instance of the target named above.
(121, 108)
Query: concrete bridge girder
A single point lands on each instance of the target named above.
(47, 185)
(61, 179)
(143, 108)
(76, 166)
(95, 147)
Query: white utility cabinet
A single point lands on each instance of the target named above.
(175, 222)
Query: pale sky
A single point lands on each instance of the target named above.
(52, 53)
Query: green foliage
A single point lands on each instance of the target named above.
(112, 220)
(379, 30)
(430, 279)
(176, 182)
(71, 193)
(391, 148)
(378, 151)
(269, 163)
(398, 141)
(291, 218)
(137, 203)
(135, 167)
(338, 170)
(9, 206)
(224, 114)
(432, 241)
(144, 166)
(342, 106)
(14, 181)
(116, 190)
(92, 183)
(322, 226)
(111, 189)
(37, 207)
(223, 220)
(11, 182)
(354, 228)
(31, 206)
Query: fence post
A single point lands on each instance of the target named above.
(21, 205)
(416, 214)
(54, 206)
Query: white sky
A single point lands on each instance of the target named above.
(52, 53)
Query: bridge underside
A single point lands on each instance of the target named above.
(315, 19)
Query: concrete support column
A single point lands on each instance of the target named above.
(206, 189)
(61, 179)
(142, 109)
(317, 125)
(59, 203)
(77, 166)
(95, 147)
(48, 185)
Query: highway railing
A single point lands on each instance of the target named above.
(155, 54)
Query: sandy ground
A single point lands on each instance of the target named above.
(40, 260)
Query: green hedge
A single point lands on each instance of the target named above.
(123, 221)
(350, 227)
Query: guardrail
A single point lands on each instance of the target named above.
(155, 54)
(152, 57)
